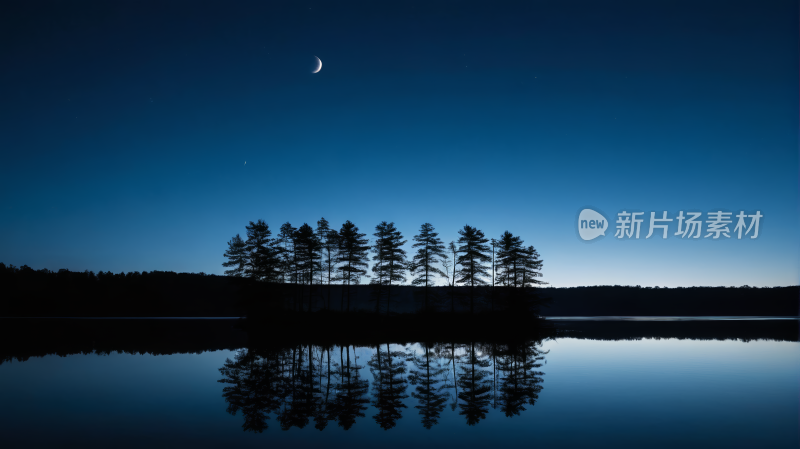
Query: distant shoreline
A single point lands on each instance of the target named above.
(21, 339)
(29, 293)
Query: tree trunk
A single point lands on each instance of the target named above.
(349, 276)
(426, 282)
(389, 289)
(329, 283)
(310, 286)
(472, 289)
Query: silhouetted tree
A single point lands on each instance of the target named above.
(237, 257)
(262, 252)
(429, 249)
(431, 399)
(391, 258)
(492, 296)
(510, 257)
(352, 255)
(473, 249)
(389, 389)
(308, 256)
(521, 269)
(329, 240)
(286, 243)
(475, 388)
(531, 268)
(494, 243)
(378, 280)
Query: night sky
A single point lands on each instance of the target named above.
(125, 127)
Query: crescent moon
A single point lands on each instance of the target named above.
(319, 67)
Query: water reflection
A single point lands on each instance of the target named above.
(351, 390)
(430, 377)
(475, 385)
(298, 384)
(389, 389)
(521, 383)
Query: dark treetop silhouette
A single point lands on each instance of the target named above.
(430, 252)
(267, 275)
(390, 262)
(298, 255)
(473, 257)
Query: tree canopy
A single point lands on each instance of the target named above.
(430, 252)
(306, 256)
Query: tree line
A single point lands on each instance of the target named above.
(28, 292)
(306, 256)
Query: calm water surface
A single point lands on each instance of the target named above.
(565, 392)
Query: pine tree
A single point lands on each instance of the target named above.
(388, 249)
(378, 280)
(454, 250)
(493, 294)
(352, 255)
(494, 244)
(330, 244)
(430, 250)
(509, 257)
(307, 248)
(286, 242)
(322, 228)
(525, 298)
(262, 252)
(473, 256)
(237, 257)
(531, 268)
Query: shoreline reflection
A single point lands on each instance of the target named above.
(297, 384)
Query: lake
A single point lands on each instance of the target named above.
(587, 386)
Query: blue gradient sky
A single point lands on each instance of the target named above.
(124, 128)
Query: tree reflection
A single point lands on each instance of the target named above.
(432, 399)
(351, 392)
(475, 386)
(322, 414)
(302, 390)
(448, 352)
(298, 384)
(252, 387)
(521, 383)
(387, 368)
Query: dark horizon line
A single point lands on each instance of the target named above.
(203, 274)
